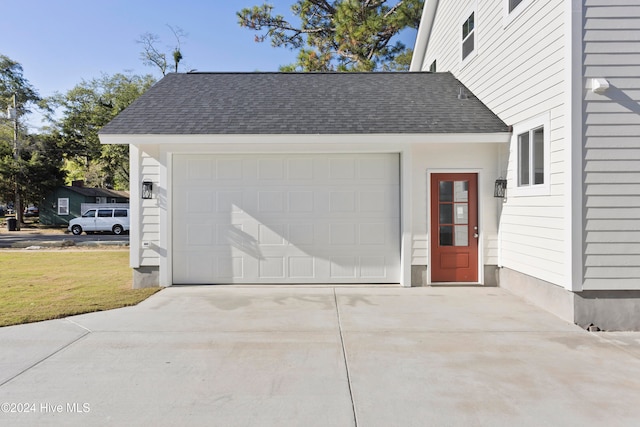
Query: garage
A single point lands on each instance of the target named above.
(285, 218)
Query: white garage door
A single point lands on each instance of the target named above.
(286, 218)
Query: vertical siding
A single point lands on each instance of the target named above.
(149, 212)
(612, 145)
(518, 72)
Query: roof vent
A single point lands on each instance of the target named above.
(461, 94)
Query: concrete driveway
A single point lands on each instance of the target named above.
(319, 356)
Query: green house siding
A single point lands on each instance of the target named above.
(49, 209)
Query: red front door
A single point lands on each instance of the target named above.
(454, 227)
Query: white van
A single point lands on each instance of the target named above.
(115, 220)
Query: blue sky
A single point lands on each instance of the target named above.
(59, 43)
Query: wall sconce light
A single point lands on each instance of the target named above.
(500, 188)
(147, 187)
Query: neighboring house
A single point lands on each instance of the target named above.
(311, 178)
(66, 203)
(564, 74)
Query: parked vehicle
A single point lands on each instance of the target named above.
(32, 211)
(115, 220)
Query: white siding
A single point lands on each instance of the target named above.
(612, 145)
(480, 158)
(518, 72)
(149, 226)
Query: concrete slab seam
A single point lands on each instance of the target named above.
(78, 325)
(33, 365)
(346, 363)
(614, 343)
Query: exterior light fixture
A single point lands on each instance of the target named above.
(147, 187)
(500, 188)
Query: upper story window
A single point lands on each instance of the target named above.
(468, 36)
(514, 8)
(513, 4)
(432, 67)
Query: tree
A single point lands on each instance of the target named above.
(86, 108)
(342, 35)
(12, 81)
(14, 89)
(153, 57)
(39, 169)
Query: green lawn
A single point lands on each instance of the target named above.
(46, 285)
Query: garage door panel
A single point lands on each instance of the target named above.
(286, 218)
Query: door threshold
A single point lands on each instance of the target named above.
(474, 284)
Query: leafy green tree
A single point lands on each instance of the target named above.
(38, 168)
(85, 109)
(342, 35)
(14, 168)
(12, 81)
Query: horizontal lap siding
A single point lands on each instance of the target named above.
(518, 72)
(150, 212)
(612, 145)
(454, 158)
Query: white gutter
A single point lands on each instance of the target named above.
(424, 32)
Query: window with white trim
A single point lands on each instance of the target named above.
(468, 36)
(513, 4)
(513, 8)
(531, 168)
(531, 154)
(63, 206)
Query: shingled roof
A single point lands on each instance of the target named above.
(305, 103)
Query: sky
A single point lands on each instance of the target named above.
(60, 43)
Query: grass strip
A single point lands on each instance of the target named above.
(45, 285)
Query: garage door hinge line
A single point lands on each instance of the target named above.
(346, 363)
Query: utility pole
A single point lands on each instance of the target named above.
(17, 207)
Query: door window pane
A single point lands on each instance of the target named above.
(446, 235)
(461, 191)
(446, 213)
(446, 191)
(462, 235)
(461, 214)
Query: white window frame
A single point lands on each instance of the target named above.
(509, 16)
(63, 206)
(473, 53)
(513, 188)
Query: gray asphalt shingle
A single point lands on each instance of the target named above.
(305, 103)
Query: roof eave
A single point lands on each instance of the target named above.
(420, 138)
